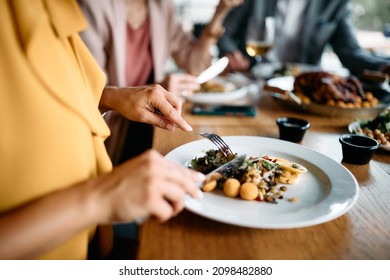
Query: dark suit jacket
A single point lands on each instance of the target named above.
(327, 22)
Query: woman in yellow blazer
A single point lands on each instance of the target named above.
(56, 182)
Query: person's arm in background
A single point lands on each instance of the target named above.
(347, 48)
(194, 55)
(232, 43)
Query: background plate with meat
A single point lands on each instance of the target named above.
(287, 83)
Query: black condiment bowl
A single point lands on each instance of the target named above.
(292, 129)
(358, 149)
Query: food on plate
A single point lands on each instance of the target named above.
(217, 85)
(377, 128)
(211, 182)
(332, 90)
(249, 191)
(231, 187)
(213, 86)
(289, 166)
(258, 178)
(210, 161)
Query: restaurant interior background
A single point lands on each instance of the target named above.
(371, 19)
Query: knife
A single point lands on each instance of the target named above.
(213, 70)
(223, 170)
(282, 92)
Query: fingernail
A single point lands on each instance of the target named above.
(188, 127)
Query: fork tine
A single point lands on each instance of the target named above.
(227, 148)
(217, 141)
(220, 146)
(224, 146)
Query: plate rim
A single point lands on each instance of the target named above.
(349, 202)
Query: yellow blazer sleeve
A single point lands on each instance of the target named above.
(52, 133)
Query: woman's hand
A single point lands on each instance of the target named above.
(147, 185)
(181, 84)
(149, 104)
(227, 5)
(237, 62)
(214, 29)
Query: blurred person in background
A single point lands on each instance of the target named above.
(58, 191)
(132, 40)
(303, 30)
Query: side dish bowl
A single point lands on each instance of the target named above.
(292, 129)
(358, 149)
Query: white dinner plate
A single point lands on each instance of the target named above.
(232, 93)
(327, 191)
(353, 126)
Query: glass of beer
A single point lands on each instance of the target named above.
(260, 37)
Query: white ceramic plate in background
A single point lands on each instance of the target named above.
(232, 93)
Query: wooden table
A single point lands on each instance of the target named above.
(362, 233)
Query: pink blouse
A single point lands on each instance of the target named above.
(139, 62)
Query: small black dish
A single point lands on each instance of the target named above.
(358, 149)
(292, 129)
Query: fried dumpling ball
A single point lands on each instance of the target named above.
(231, 187)
(211, 182)
(249, 191)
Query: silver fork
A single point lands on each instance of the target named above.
(217, 141)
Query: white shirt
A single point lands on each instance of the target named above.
(289, 22)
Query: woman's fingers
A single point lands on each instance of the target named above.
(175, 182)
(166, 201)
(153, 105)
(188, 179)
(169, 106)
(152, 186)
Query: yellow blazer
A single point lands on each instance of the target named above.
(52, 133)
